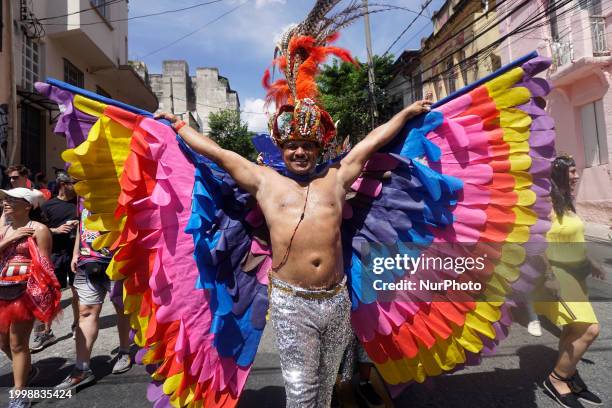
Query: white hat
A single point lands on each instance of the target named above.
(33, 197)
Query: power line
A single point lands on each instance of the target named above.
(159, 13)
(393, 7)
(221, 107)
(486, 28)
(480, 34)
(468, 25)
(403, 47)
(529, 30)
(384, 8)
(108, 3)
(196, 30)
(408, 27)
(471, 23)
(526, 25)
(480, 53)
(527, 22)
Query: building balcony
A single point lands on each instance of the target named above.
(121, 81)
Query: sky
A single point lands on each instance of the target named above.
(241, 44)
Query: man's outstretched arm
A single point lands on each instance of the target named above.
(352, 164)
(248, 175)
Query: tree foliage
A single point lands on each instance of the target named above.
(231, 133)
(345, 95)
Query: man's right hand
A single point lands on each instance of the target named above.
(73, 264)
(165, 115)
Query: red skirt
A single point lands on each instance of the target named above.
(16, 310)
(41, 298)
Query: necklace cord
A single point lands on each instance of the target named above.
(286, 256)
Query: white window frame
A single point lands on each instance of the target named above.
(594, 135)
(30, 63)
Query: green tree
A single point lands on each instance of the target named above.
(344, 93)
(230, 132)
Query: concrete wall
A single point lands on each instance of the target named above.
(175, 90)
(213, 94)
(175, 82)
(199, 95)
(156, 83)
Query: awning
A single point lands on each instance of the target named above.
(39, 101)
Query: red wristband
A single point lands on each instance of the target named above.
(178, 125)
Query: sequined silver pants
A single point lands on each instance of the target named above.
(312, 331)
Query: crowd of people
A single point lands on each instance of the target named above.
(45, 247)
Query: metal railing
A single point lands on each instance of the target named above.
(562, 51)
(598, 35)
(562, 46)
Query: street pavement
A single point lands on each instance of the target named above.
(510, 378)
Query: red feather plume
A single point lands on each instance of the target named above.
(306, 85)
(278, 91)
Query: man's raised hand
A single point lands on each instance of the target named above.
(418, 107)
(165, 115)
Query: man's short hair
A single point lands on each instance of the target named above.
(63, 177)
(20, 168)
(39, 177)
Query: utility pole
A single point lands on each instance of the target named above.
(171, 97)
(371, 78)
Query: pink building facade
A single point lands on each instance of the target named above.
(578, 37)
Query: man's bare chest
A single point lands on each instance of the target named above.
(318, 202)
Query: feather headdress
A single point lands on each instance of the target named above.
(298, 55)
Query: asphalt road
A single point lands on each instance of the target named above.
(510, 378)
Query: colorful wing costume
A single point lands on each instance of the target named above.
(193, 248)
(483, 183)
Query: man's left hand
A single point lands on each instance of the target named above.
(165, 115)
(418, 107)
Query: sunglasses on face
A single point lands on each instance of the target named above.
(14, 178)
(14, 200)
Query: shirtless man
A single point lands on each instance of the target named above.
(309, 302)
